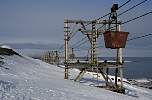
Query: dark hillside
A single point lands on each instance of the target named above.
(8, 52)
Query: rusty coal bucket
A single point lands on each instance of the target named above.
(115, 39)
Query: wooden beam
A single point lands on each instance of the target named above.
(80, 75)
(88, 65)
(90, 22)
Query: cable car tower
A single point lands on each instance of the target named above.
(114, 38)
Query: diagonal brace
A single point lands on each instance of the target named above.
(80, 75)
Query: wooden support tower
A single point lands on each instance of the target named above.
(102, 67)
(93, 63)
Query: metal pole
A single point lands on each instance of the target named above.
(120, 58)
(118, 50)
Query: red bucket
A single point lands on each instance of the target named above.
(115, 40)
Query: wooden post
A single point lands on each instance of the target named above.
(93, 46)
(66, 49)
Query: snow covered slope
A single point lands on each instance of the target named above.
(24, 78)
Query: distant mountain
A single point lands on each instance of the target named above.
(32, 45)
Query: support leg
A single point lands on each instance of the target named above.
(78, 78)
(66, 72)
(116, 77)
(121, 76)
(107, 71)
(104, 74)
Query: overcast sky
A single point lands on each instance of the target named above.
(41, 21)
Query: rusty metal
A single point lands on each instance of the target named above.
(115, 39)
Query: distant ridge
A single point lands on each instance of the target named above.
(32, 45)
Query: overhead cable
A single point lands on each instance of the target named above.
(118, 8)
(137, 17)
(139, 37)
(132, 7)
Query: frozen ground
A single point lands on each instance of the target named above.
(24, 78)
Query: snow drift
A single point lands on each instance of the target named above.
(24, 78)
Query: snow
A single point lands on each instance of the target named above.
(29, 79)
(6, 46)
(142, 80)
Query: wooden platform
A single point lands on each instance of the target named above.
(86, 64)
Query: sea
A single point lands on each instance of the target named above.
(136, 67)
(133, 67)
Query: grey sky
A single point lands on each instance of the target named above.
(41, 21)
